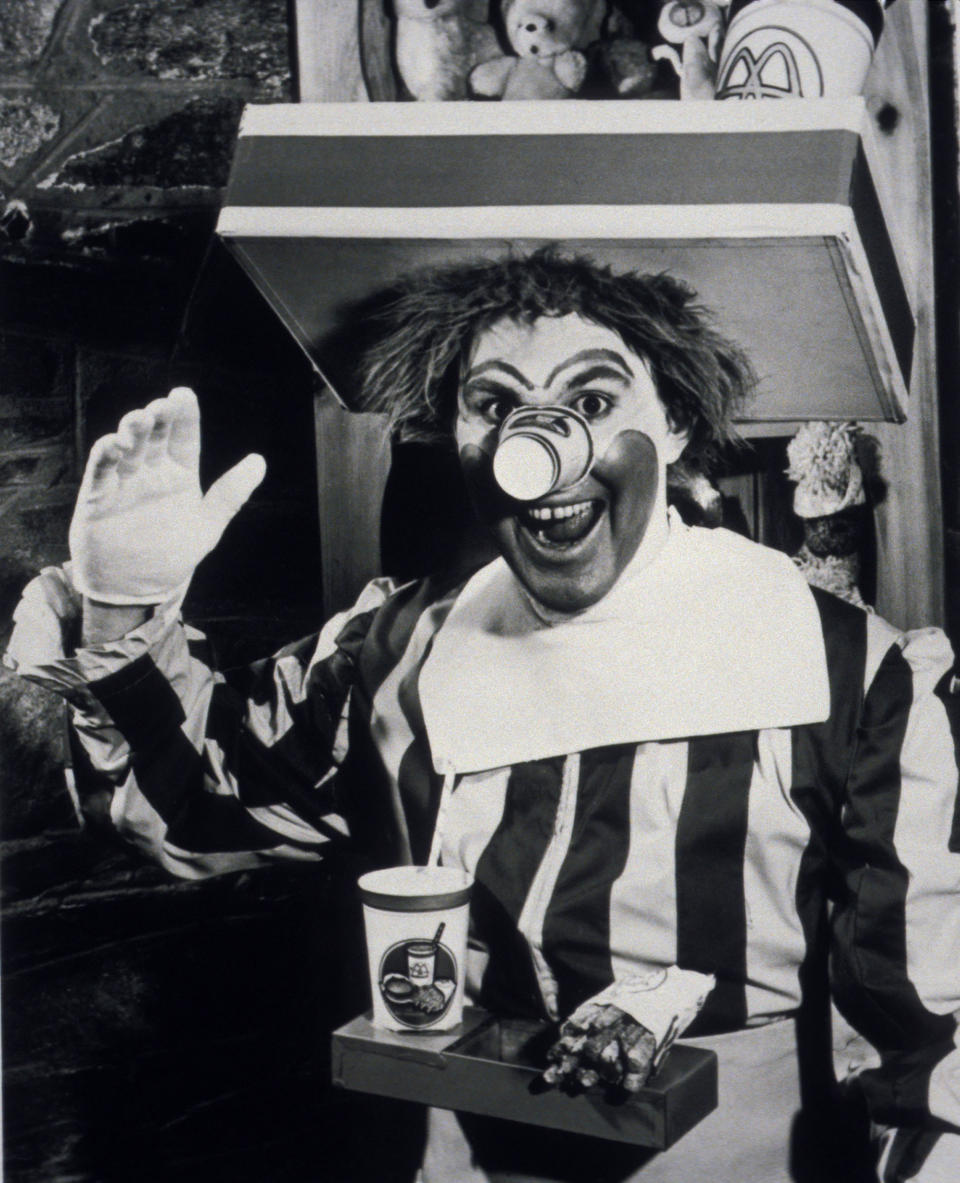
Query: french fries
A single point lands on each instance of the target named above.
(600, 1042)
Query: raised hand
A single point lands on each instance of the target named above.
(142, 523)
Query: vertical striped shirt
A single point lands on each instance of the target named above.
(753, 855)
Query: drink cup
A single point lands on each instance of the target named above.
(541, 450)
(798, 48)
(416, 928)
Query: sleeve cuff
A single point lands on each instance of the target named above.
(46, 626)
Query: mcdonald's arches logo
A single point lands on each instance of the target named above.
(770, 62)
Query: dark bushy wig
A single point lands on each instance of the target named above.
(424, 332)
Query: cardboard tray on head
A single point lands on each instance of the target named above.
(770, 211)
(492, 1067)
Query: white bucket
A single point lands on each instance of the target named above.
(794, 49)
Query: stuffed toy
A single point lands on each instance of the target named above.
(831, 500)
(626, 67)
(546, 36)
(438, 43)
(696, 26)
(557, 43)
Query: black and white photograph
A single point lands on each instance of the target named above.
(480, 591)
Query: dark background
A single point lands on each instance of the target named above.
(155, 1028)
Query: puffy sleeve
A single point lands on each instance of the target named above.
(895, 956)
(206, 772)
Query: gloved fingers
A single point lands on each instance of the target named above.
(133, 432)
(162, 413)
(101, 472)
(564, 1066)
(184, 413)
(176, 429)
(227, 494)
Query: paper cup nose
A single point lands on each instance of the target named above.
(525, 467)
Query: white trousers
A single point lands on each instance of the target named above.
(747, 1138)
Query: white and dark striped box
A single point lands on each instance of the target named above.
(770, 210)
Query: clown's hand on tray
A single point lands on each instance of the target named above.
(620, 1036)
(141, 523)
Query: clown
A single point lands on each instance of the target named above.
(677, 775)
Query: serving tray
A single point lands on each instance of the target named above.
(492, 1066)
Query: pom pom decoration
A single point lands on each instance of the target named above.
(829, 497)
(822, 461)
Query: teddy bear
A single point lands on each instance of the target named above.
(545, 36)
(438, 42)
(556, 43)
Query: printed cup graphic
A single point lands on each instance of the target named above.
(541, 450)
(416, 927)
(797, 49)
(422, 961)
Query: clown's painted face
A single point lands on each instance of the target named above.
(570, 547)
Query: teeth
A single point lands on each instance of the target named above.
(553, 513)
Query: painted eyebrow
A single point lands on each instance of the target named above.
(503, 366)
(598, 355)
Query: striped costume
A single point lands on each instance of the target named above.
(746, 854)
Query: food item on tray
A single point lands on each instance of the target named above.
(600, 1042)
(621, 1035)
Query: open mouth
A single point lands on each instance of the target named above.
(560, 525)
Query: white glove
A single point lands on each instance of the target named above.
(141, 523)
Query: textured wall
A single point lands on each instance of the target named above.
(150, 1030)
(117, 124)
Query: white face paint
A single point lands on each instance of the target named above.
(570, 547)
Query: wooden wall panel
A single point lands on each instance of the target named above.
(353, 462)
(909, 522)
(328, 51)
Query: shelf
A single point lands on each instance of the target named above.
(769, 210)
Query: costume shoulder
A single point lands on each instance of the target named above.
(386, 618)
(858, 641)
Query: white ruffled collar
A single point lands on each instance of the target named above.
(714, 634)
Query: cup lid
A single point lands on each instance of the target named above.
(415, 889)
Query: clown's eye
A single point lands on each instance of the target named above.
(592, 405)
(496, 409)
